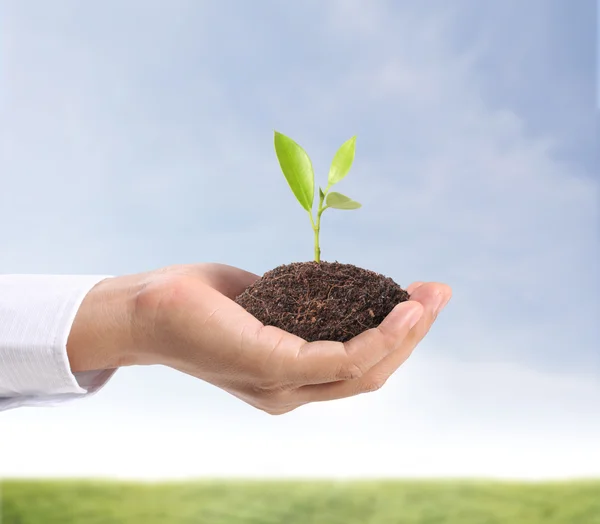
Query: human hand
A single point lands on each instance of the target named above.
(185, 317)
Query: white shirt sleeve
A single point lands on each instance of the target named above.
(36, 316)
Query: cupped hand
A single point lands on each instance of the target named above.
(186, 318)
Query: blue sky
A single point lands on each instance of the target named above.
(139, 134)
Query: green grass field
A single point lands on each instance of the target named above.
(291, 502)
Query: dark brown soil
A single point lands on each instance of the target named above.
(322, 300)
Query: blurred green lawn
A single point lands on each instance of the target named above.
(299, 502)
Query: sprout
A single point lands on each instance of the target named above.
(298, 171)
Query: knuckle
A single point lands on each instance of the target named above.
(373, 385)
(270, 400)
(350, 371)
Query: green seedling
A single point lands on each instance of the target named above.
(298, 171)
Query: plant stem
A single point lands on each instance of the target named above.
(316, 232)
(317, 247)
(317, 226)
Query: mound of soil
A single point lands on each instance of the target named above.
(322, 300)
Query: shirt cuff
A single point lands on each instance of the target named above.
(36, 316)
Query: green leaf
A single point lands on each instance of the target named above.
(321, 194)
(339, 201)
(342, 161)
(297, 169)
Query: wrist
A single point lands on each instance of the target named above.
(102, 334)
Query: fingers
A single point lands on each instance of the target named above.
(295, 365)
(432, 298)
(433, 304)
(324, 361)
(371, 346)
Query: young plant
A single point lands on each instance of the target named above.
(298, 171)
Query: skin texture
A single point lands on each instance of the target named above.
(185, 317)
